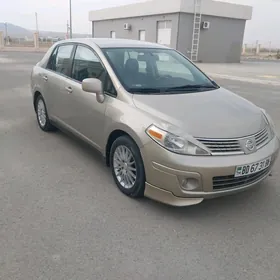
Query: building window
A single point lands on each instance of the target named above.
(164, 32)
(113, 34)
(142, 35)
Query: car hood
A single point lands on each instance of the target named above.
(213, 114)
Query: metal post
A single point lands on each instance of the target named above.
(1, 40)
(36, 37)
(257, 47)
(70, 10)
(6, 34)
(36, 40)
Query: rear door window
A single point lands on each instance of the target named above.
(52, 60)
(61, 60)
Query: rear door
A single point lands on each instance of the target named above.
(55, 78)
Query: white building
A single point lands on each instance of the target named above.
(174, 23)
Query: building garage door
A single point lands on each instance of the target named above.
(164, 32)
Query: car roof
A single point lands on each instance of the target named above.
(115, 43)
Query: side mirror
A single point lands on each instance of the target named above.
(94, 86)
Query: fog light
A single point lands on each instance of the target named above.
(189, 184)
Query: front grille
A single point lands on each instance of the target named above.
(222, 146)
(235, 146)
(225, 182)
(262, 138)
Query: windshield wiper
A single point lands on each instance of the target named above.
(145, 90)
(171, 89)
(191, 87)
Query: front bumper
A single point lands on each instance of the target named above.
(165, 172)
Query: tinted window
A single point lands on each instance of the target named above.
(87, 65)
(52, 60)
(63, 60)
(148, 70)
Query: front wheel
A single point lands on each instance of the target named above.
(127, 167)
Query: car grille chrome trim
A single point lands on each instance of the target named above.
(262, 138)
(222, 146)
(233, 146)
(227, 182)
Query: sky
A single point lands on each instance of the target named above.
(53, 16)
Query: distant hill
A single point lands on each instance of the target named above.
(54, 34)
(15, 31)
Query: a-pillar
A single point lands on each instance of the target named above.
(1, 40)
(36, 40)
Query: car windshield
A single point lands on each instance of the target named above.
(156, 71)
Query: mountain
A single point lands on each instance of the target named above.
(55, 34)
(15, 31)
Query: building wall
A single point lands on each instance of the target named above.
(221, 43)
(184, 41)
(102, 29)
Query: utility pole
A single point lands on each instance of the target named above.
(70, 10)
(37, 28)
(67, 30)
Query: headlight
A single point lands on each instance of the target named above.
(174, 143)
(269, 121)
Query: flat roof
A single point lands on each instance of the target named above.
(156, 7)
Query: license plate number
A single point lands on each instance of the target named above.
(248, 169)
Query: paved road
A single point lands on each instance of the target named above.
(256, 72)
(61, 216)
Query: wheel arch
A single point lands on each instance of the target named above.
(35, 96)
(116, 133)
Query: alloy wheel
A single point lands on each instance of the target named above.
(41, 111)
(124, 167)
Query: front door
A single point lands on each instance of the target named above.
(86, 115)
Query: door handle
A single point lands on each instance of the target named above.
(69, 89)
(45, 78)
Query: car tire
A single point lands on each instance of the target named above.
(127, 167)
(42, 115)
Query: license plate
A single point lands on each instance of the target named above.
(248, 169)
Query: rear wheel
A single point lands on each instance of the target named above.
(42, 115)
(127, 167)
